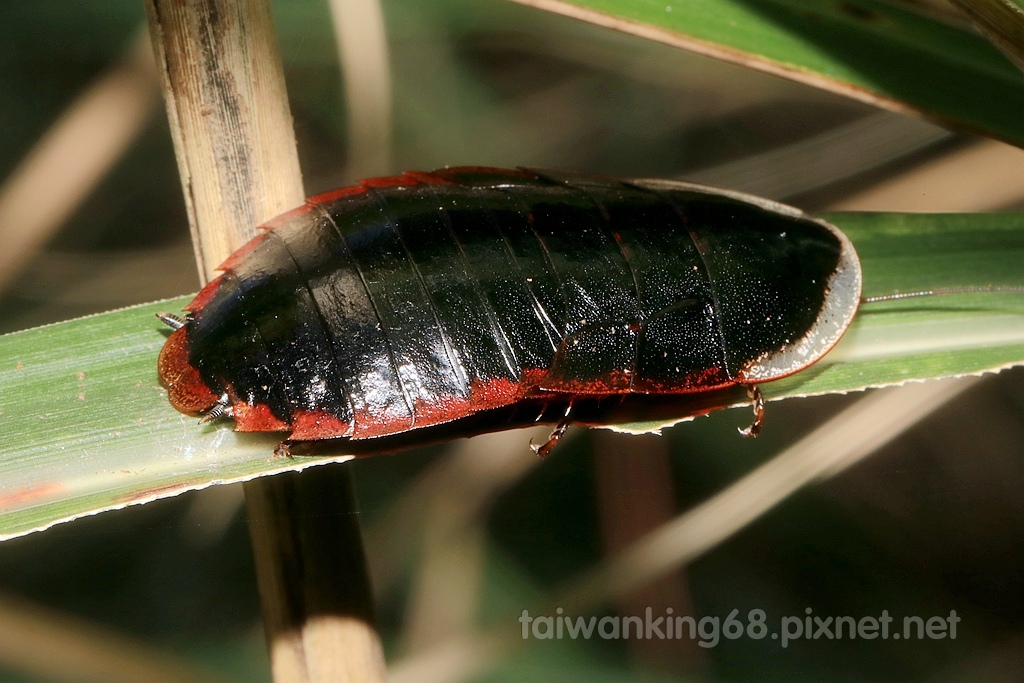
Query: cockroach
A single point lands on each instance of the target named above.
(442, 298)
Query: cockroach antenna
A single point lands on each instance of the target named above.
(943, 291)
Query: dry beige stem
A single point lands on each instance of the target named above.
(230, 120)
(233, 137)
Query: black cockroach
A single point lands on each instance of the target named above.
(437, 298)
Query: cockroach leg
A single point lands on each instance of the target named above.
(754, 392)
(557, 433)
(171, 320)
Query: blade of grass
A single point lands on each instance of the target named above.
(867, 50)
(87, 427)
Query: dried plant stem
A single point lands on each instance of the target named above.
(229, 118)
(233, 136)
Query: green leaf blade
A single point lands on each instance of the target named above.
(88, 428)
(868, 50)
